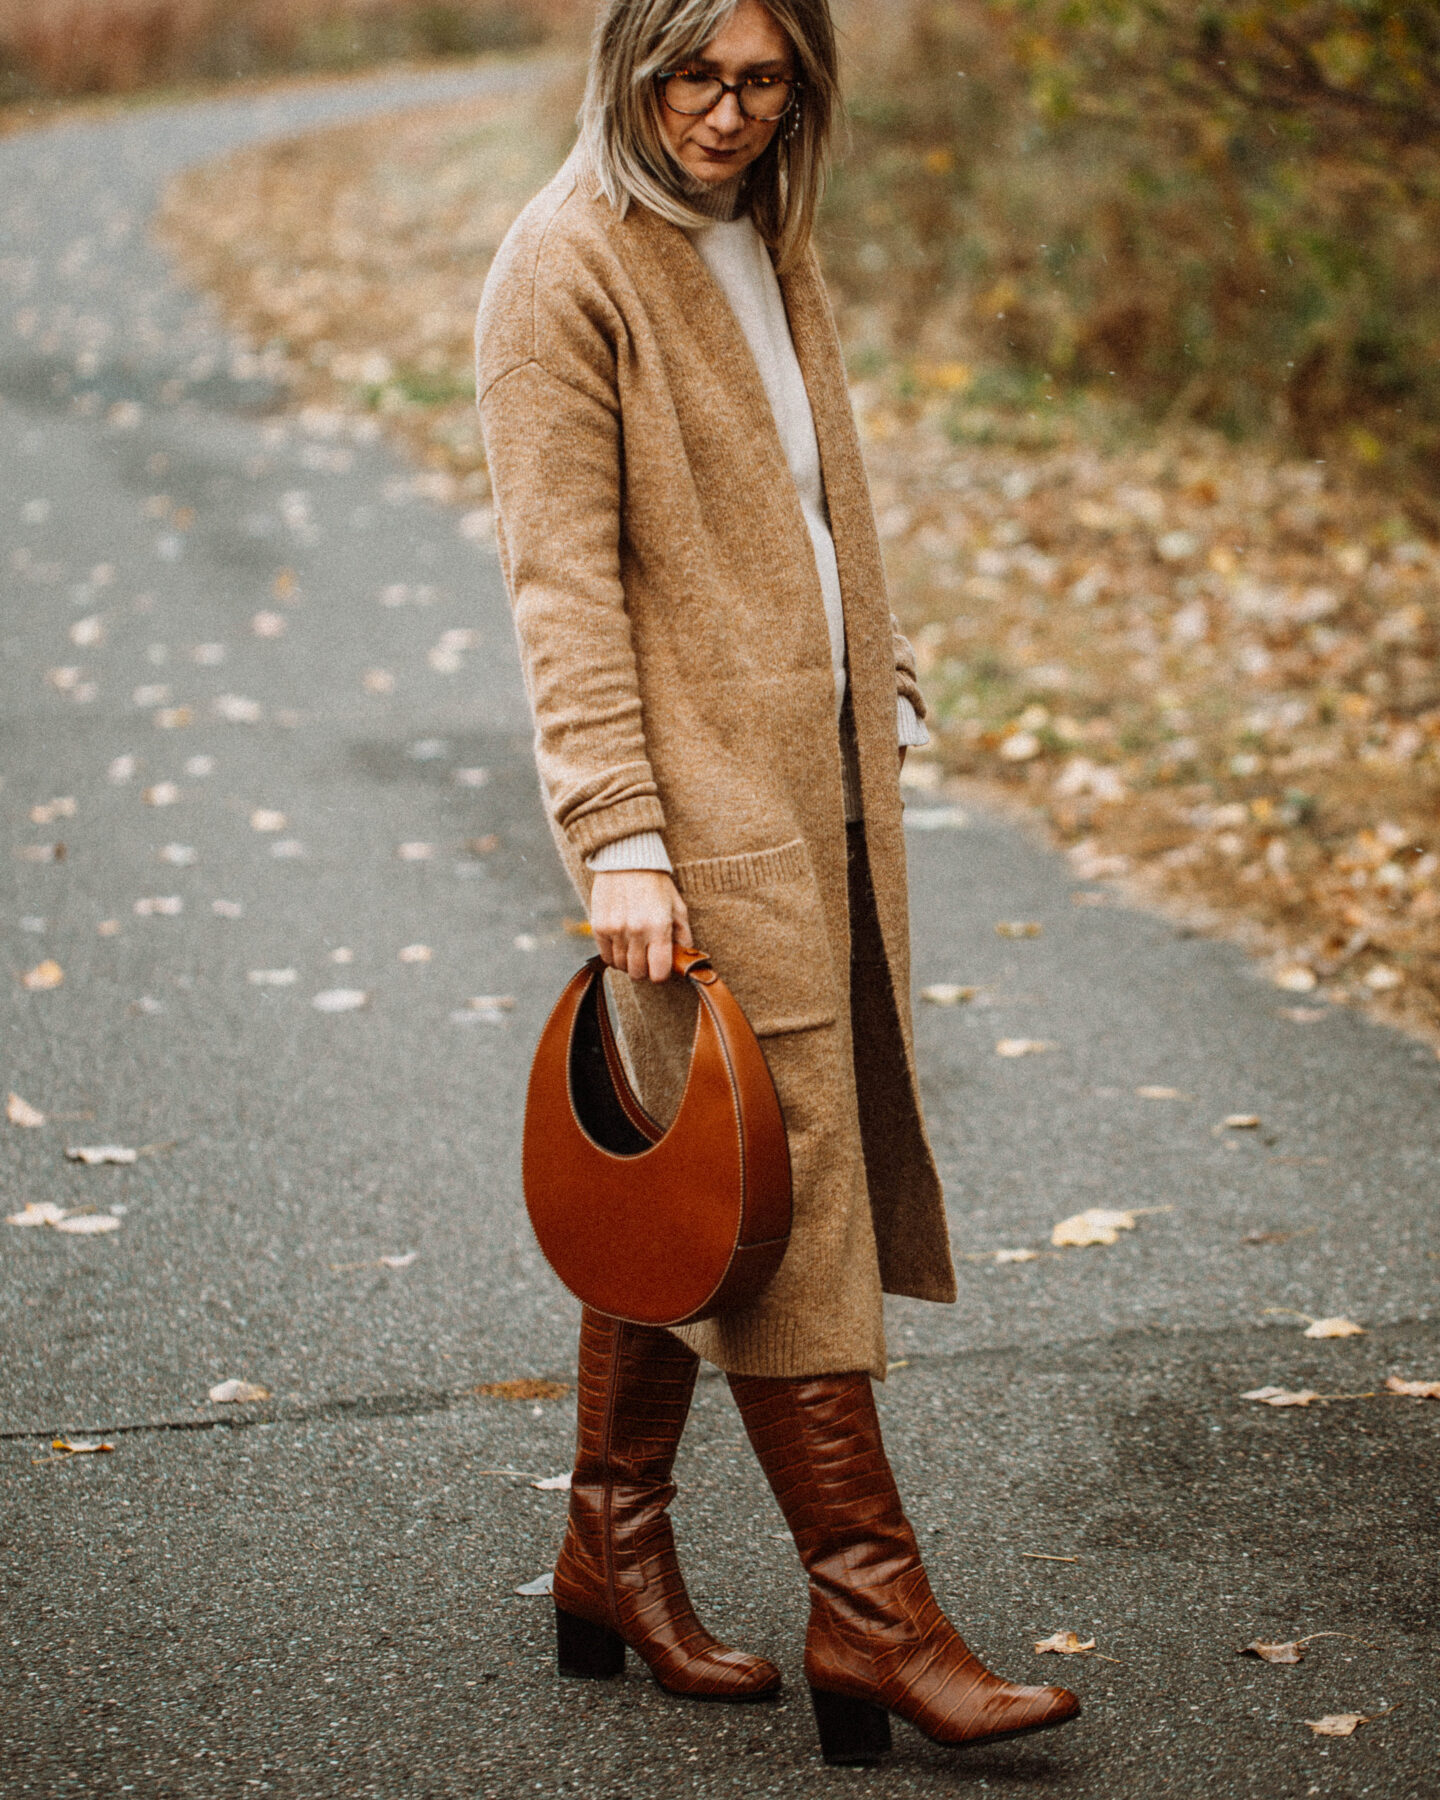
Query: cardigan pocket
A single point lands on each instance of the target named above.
(759, 917)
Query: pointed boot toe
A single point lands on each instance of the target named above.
(721, 1674)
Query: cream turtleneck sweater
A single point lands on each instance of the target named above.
(736, 255)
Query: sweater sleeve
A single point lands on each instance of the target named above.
(645, 850)
(906, 685)
(553, 449)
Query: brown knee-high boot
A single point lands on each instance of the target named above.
(878, 1643)
(617, 1581)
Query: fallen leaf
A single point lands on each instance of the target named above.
(108, 928)
(483, 846)
(471, 778)
(416, 953)
(1334, 1328)
(264, 818)
(1012, 1047)
(542, 1584)
(1267, 1237)
(160, 906)
(1277, 1396)
(526, 1388)
(1096, 1225)
(415, 852)
(38, 1212)
(339, 1000)
(273, 977)
(81, 1446)
(237, 1393)
(1161, 1093)
(86, 1224)
(52, 810)
(1344, 1724)
(122, 768)
(342, 954)
(1064, 1643)
(948, 993)
(180, 856)
(1018, 928)
(399, 1262)
(555, 1484)
(268, 624)
(93, 1155)
(235, 709)
(378, 681)
(1275, 1653)
(1241, 1121)
(20, 1112)
(1414, 1390)
(1017, 1256)
(173, 718)
(1295, 978)
(43, 977)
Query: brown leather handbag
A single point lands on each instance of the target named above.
(656, 1227)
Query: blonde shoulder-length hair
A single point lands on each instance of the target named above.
(635, 40)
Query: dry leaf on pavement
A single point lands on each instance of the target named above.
(1017, 1256)
(1295, 978)
(265, 818)
(81, 1446)
(273, 977)
(1019, 928)
(416, 953)
(526, 1388)
(237, 1393)
(1241, 1121)
(1334, 1328)
(542, 1584)
(415, 852)
(1275, 1653)
(339, 1000)
(20, 1112)
(398, 1262)
(1413, 1390)
(1278, 1396)
(1097, 1225)
(1161, 1093)
(85, 1224)
(1064, 1643)
(555, 1484)
(948, 993)
(1012, 1047)
(42, 977)
(93, 1155)
(38, 1212)
(1344, 1724)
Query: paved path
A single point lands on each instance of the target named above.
(314, 1596)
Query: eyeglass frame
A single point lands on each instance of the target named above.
(730, 87)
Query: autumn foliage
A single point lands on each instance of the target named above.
(1229, 212)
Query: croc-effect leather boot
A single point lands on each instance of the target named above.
(617, 1581)
(878, 1643)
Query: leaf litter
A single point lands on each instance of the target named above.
(1098, 1225)
(1294, 1650)
(1344, 1724)
(1069, 1643)
(20, 1112)
(525, 1388)
(237, 1393)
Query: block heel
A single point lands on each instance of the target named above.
(851, 1731)
(585, 1649)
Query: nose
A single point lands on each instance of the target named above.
(725, 114)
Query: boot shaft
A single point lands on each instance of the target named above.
(636, 1383)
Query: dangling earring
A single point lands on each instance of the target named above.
(793, 123)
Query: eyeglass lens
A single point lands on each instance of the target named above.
(765, 98)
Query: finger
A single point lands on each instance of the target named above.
(605, 944)
(637, 963)
(662, 960)
(682, 925)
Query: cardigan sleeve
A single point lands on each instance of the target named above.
(906, 685)
(553, 449)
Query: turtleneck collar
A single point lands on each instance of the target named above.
(722, 201)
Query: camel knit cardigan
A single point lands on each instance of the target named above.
(735, 254)
(676, 652)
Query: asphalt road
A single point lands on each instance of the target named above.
(314, 1595)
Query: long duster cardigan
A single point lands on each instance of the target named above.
(673, 639)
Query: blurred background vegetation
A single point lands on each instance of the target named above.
(1227, 213)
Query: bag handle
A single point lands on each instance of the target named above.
(693, 965)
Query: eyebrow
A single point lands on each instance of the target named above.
(775, 66)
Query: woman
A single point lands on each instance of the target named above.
(720, 693)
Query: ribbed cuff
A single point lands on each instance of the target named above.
(642, 850)
(591, 831)
(911, 732)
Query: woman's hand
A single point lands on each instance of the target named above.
(637, 916)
